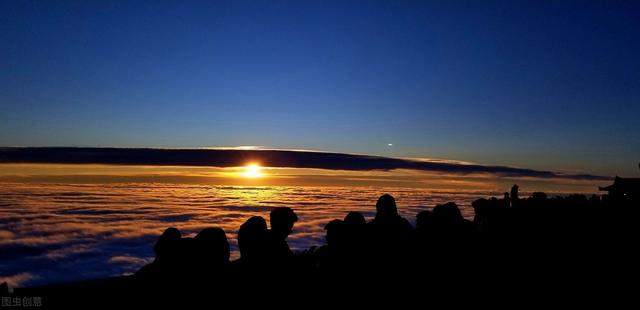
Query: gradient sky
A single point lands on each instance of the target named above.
(545, 85)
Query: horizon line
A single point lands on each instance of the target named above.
(277, 158)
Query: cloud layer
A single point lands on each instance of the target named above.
(56, 232)
(270, 158)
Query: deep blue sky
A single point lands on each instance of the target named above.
(545, 84)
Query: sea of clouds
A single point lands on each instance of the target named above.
(52, 233)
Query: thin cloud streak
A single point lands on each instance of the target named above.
(268, 158)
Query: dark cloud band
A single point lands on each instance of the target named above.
(269, 158)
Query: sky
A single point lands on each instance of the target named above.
(551, 85)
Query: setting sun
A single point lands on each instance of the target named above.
(252, 171)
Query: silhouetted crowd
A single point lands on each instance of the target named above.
(510, 240)
(504, 234)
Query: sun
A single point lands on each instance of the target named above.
(252, 170)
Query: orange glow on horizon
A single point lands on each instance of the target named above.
(253, 173)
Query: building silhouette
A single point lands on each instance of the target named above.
(623, 189)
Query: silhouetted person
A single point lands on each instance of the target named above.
(345, 248)
(354, 218)
(389, 236)
(349, 232)
(335, 237)
(448, 219)
(514, 195)
(165, 246)
(167, 250)
(450, 239)
(187, 259)
(450, 226)
(282, 220)
(355, 233)
(252, 238)
(424, 233)
(212, 248)
(387, 216)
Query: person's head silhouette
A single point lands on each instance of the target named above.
(282, 220)
(447, 214)
(251, 237)
(213, 245)
(386, 208)
(165, 246)
(335, 232)
(354, 218)
(424, 220)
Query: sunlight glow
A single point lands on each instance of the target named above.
(252, 170)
